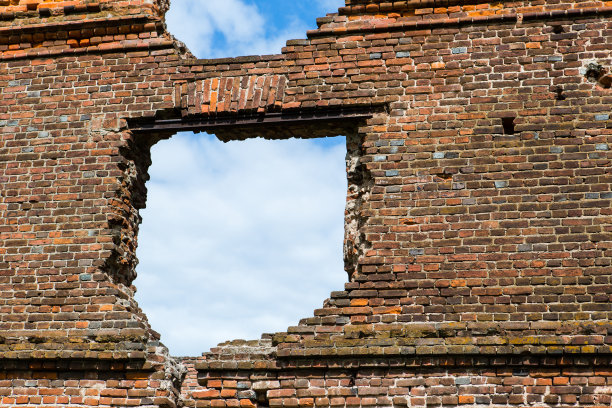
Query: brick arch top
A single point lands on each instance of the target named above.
(478, 211)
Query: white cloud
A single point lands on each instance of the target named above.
(229, 28)
(240, 26)
(239, 238)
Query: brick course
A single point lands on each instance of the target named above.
(478, 217)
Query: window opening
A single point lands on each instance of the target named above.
(241, 238)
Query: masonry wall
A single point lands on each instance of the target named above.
(478, 218)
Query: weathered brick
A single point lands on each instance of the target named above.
(477, 222)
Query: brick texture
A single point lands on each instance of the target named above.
(478, 221)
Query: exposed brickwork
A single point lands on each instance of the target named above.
(478, 224)
(417, 383)
(32, 12)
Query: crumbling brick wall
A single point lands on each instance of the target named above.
(478, 218)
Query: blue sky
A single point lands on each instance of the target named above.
(224, 28)
(242, 238)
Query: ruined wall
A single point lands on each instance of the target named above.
(478, 218)
(70, 331)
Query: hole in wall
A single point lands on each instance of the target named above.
(597, 73)
(508, 125)
(559, 95)
(558, 29)
(594, 71)
(239, 238)
(262, 398)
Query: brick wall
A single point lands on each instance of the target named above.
(478, 221)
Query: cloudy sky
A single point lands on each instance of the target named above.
(242, 238)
